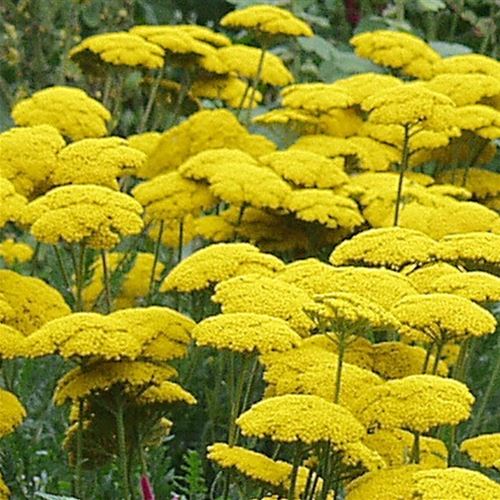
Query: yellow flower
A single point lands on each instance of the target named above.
(438, 317)
(12, 412)
(4, 490)
(216, 263)
(204, 34)
(94, 215)
(468, 63)
(28, 156)
(165, 393)
(99, 377)
(13, 252)
(361, 86)
(458, 193)
(70, 110)
(482, 120)
(484, 449)
(145, 142)
(397, 50)
(261, 294)
(480, 182)
(294, 417)
(96, 161)
(170, 197)
(315, 97)
(118, 49)
(476, 286)
(12, 203)
(395, 445)
(267, 20)
(246, 333)
(208, 129)
(12, 342)
(388, 247)
(32, 302)
(416, 403)
(244, 61)
(456, 483)
(307, 169)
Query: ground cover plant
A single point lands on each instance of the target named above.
(230, 270)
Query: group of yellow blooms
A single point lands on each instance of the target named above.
(363, 357)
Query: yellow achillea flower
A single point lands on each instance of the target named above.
(32, 302)
(12, 252)
(484, 449)
(208, 129)
(246, 333)
(361, 86)
(477, 286)
(438, 317)
(118, 49)
(96, 161)
(315, 97)
(247, 184)
(362, 153)
(480, 182)
(70, 110)
(145, 142)
(204, 34)
(12, 203)
(133, 286)
(260, 294)
(465, 89)
(217, 263)
(170, 196)
(482, 120)
(244, 62)
(424, 277)
(267, 20)
(95, 215)
(134, 376)
(397, 50)
(454, 482)
(307, 169)
(395, 445)
(392, 247)
(458, 193)
(12, 412)
(397, 360)
(474, 250)
(392, 483)
(283, 116)
(468, 63)
(28, 156)
(11, 342)
(416, 403)
(379, 285)
(4, 490)
(323, 206)
(165, 393)
(301, 417)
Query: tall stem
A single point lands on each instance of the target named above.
(415, 452)
(79, 452)
(155, 263)
(122, 451)
(64, 273)
(295, 468)
(256, 81)
(243, 98)
(427, 357)
(34, 258)
(79, 263)
(403, 167)
(181, 238)
(151, 100)
(439, 350)
(107, 285)
(340, 360)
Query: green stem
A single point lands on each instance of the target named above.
(79, 452)
(181, 238)
(403, 167)
(79, 264)
(155, 263)
(151, 100)
(427, 358)
(34, 258)
(108, 82)
(243, 97)
(415, 452)
(107, 285)
(183, 91)
(439, 350)
(236, 400)
(122, 451)
(340, 360)
(459, 368)
(255, 82)
(64, 274)
(295, 468)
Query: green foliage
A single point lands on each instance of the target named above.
(192, 482)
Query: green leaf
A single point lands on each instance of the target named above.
(446, 49)
(47, 496)
(431, 5)
(91, 14)
(318, 45)
(343, 64)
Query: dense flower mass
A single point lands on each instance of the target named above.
(13, 252)
(12, 412)
(484, 449)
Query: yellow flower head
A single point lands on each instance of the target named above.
(480, 182)
(397, 50)
(70, 110)
(169, 196)
(482, 120)
(267, 20)
(395, 446)
(90, 214)
(165, 393)
(423, 278)
(416, 403)
(246, 333)
(31, 301)
(4, 490)
(134, 376)
(468, 63)
(300, 417)
(316, 97)
(117, 49)
(208, 129)
(477, 286)
(244, 62)
(12, 412)
(96, 161)
(306, 169)
(13, 252)
(323, 206)
(12, 342)
(260, 294)
(28, 156)
(204, 34)
(364, 85)
(12, 203)
(437, 317)
(145, 142)
(217, 263)
(484, 449)
(385, 247)
(454, 482)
